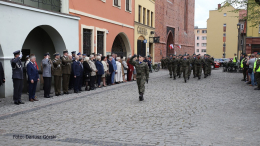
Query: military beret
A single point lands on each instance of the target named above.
(79, 53)
(56, 54)
(198, 55)
(16, 52)
(180, 55)
(194, 54)
(65, 51)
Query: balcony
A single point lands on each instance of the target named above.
(50, 5)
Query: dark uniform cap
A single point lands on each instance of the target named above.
(194, 54)
(79, 53)
(65, 51)
(141, 55)
(173, 55)
(180, 55)
(198, 55)
(73, 52)
(46, 54)
(56, 54)
(16, 52)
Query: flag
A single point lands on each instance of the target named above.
(171, 46)
(179, 46)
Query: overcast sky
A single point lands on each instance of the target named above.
(202, 8)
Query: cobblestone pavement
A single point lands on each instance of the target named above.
(218, 110)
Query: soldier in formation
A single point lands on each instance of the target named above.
(57, 73)
(169, 65)
(66, 71)
(142, 74)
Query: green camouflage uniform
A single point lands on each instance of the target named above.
(178, 68)
(210, 61)
(174, 66)
(169, 65)
(163, 64)
(198, 65)
(185, 67)
(189, 68)
(142, 74)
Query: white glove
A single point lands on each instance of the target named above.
(21, 55)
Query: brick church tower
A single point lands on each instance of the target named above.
(174, 23)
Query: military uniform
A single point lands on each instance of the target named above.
(17, 76)
(174, 67)
(198, 64)
(185, 63)
(71, 83)
(162, 62)
(210, 61)
(66, 71)
(57, 73)
(193, 59)
(189, 67)
(142, 71)
(169, 65)
(179, 66)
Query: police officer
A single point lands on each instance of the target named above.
(17, 76)
(185, 63)
(66, 71)
(169, 65)
(142, 71)
(57, 73)
(257, 71)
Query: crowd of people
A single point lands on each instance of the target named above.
(73, 72)
(183, 64)
(251, 70)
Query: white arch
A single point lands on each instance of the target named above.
(127, 43)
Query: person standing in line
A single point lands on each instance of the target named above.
(100, 69)
(81, 74)
(105, 65)
(71, 81)
(130, 70)
(17, 76)
(93, 73)
(110, 70)
(57, 73)
(66, 71)
(87, 71)
(118, 76)
(124, 68)
(33, 78)
(115, 68)
(2, 75)
(76, 74)
(46, 73)
(257, 71)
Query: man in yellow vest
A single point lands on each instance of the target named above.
(243, 66)
(235, 58)
(257, 71)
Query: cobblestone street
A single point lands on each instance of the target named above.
(218, 110)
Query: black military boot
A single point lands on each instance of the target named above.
(170, 76)
(199, 77)
(205, 76)
(174, 77)
(194, 76)
(185, 80)
(142, 97)
(179, 76)
(188, 77)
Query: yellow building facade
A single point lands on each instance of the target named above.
(222, 36)
(253, 34)
(144, 27)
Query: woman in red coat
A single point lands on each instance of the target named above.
(129, 70)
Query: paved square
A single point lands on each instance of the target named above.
(218, 110)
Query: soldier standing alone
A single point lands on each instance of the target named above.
(17, 77)
(142, 74)
(66, 71)
(57, 73)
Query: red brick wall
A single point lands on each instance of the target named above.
(172, 15)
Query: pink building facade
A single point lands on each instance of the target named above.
(200, 40)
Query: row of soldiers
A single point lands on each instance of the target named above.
(183, 64)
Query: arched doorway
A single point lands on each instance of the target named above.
(141, 46)
(169, 42)
(121, 45)
(43, 39)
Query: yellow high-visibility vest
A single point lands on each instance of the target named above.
(258, 70)
(242, 65)
(234, 59)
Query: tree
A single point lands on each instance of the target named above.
(252, 6)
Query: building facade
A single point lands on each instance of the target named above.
(144, 27)
(105, 26)
(175, 26)
(253, 35)
(200, 40)
(34, 27)
(222, 26)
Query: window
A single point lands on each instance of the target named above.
(185, 15)
(242, 26)
(204, 31)
(139, 14)
(224, 34)
(224, 27)
(204, 38)
(241, 42)
(198, 37)
(198, 31)
(204, 44)
(87, 35)
(198, 50)
(225, 14)
(151, 19)
(203, 50)
(144, 10)
(128, 5)
(198, 44)
(148, 17)
(117, 3)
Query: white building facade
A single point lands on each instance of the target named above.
(34, 31)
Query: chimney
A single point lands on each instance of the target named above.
(219, 6)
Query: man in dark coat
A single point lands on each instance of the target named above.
(2, 74)
(111, 70)
(76, 74)
(17, 77)
(33, 78)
